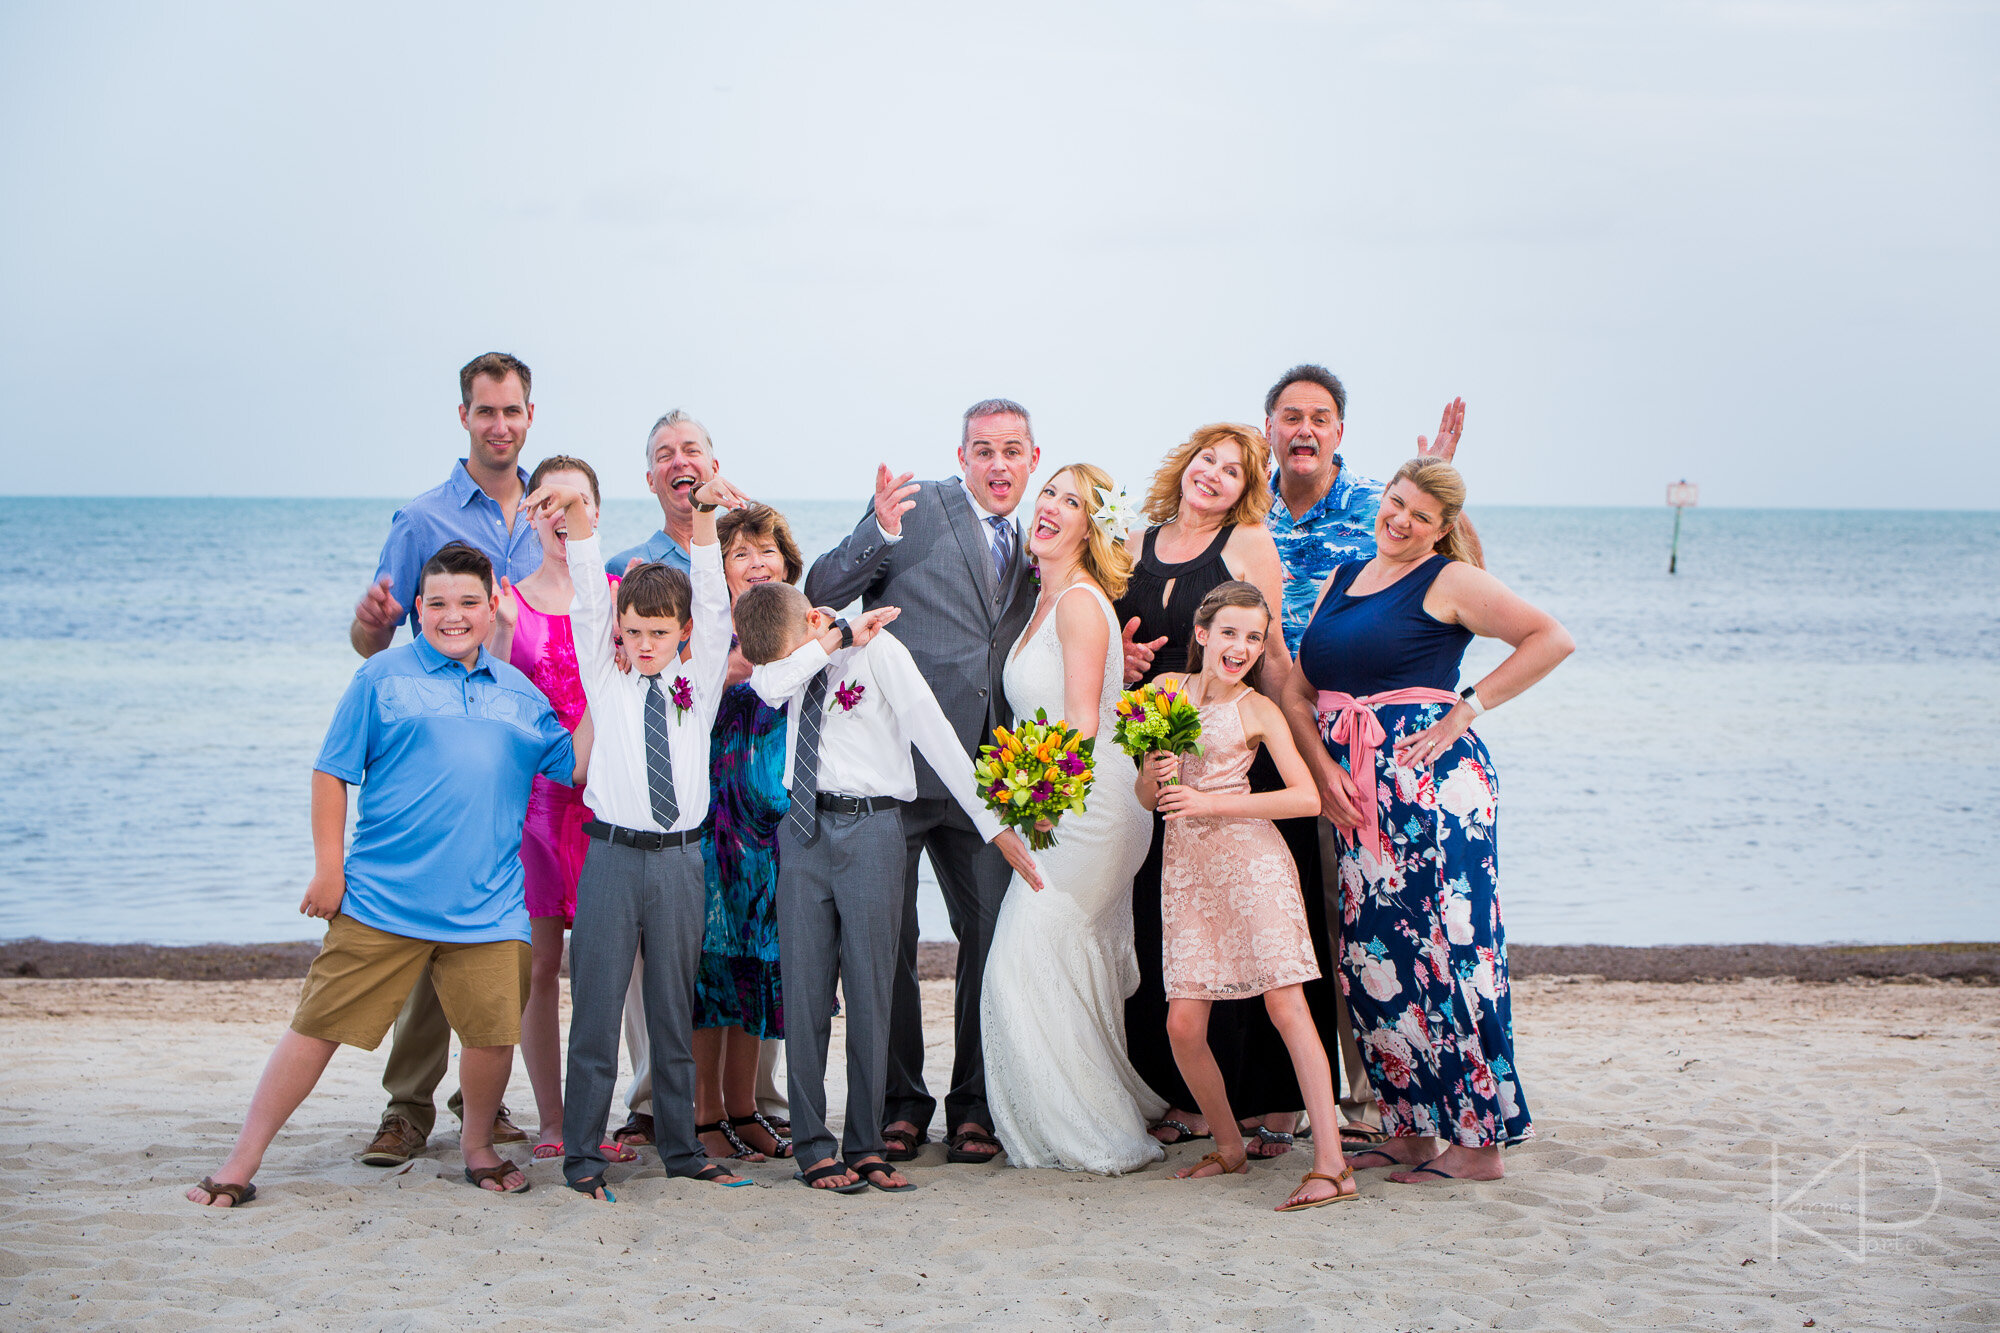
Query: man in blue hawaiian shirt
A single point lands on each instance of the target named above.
(1325, 513)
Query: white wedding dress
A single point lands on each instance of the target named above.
(1052, 1006)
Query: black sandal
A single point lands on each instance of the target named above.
(869, 1170)
(955, 1150)
(1182, 1133)
(784, 1148)
(743, 1151)
(901, 1145)
(1266, 1137)
(807, 1178)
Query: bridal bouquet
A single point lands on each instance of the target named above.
(1040, 770)
(1157, 717)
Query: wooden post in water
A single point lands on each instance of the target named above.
(1682, 494)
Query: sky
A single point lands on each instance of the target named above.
(245, 248)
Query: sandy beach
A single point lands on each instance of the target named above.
(1752, 1154)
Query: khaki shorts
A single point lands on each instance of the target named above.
(362, 977)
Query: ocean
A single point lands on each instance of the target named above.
(1795, 739)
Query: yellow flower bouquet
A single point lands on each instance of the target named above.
(1039, 771)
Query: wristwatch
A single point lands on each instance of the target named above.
(846, 632)
(701, 508)
(1471, 696)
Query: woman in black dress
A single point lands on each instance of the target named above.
(1207, 502)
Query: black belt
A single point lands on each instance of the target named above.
(855, 805)
(644, 839)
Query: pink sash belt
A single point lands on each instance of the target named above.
(1344, 719)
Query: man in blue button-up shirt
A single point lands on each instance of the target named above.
(1325, 514)
(475, 505)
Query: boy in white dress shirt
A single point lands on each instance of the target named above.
(642, 886)
(857, 703)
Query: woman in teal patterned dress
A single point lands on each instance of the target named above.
(739, 999)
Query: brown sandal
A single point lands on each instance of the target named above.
(477, 1176)
(1292, 1205)
(1242, 1168)
(238, 1195)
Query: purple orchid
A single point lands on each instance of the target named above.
(683, 696)
(1071, 763)
(849, 695)
(1042, 792)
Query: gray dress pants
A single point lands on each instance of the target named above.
(973, 876)
(627, 899)
(840, 915)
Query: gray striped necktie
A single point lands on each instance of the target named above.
(804, 812)
(660, 757)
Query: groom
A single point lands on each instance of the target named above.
(950, 555)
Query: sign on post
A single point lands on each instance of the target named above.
(1682, 494)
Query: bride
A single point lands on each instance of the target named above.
(1052, 1009)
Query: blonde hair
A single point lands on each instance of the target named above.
(1163, 498)
(1441, 482)
(1103, 557)
(1235, 593)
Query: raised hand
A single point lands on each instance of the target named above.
(509, 612)
(550, 499)
(378, 608)
(1138, 656)
(872, 623)
(1450, 427)
(892, 498)
(717, 491)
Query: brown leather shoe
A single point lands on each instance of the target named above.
(506, 1131)
(396, 1142)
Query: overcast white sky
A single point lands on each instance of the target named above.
(244, 249)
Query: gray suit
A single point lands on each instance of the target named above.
(958, 621)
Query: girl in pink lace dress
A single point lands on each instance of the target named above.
(532, 632)
(1233, 923)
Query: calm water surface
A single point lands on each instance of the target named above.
(1794, 739)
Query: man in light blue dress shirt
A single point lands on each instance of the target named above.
(474, 505)
(679, 457)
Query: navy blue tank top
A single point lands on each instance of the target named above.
(1382, 640)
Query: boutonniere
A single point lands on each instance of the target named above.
(683, 696)
(849, 695)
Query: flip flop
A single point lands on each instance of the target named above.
(1387, 1160)
(1428, 1170)
(548, 1150)
(477, 1176)
(807, 1178)
(713, 1173)
(238, 1195)
(1361, 1134)
(591, 1184)
(869, 1170)
(1267, 1138)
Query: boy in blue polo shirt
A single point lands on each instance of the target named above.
(445, 740)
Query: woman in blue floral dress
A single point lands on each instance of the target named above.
(1423, 954)
(739, 998)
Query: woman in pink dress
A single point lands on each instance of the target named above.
(533, 633)
(1232, 922)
